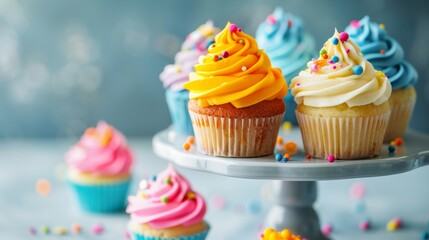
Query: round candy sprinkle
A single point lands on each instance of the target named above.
(393, 143)
(355, 23)
(344, 36)
(45, 229)
(241, 41)
(225, 54)
(358, 190)
(330, 158)
(399, 141)
(254, 206)
(168, 181)
(357, 70)
(219, 202)
(243, 68)
(325, 56)
(334, 40)
(127, 235)
(186, 146)
(425, 235)
(334, 59)
(360, 207)
(278, 157)
(298, 84)
(394, 224)
(285, 160)
(32, 231)
(290, 147)
(315, 67)
(61, 231)
(232, 27)
(76, 228)
(239, 30)
(308, 156)
(143, 184)
(347, 50)
(279, 140)
(43, 187)
(191, 195)
(271, 19)
(327, 230)
(382, 51)
(215, 58)
(323, 51)
(220, 58)
(153, 178)
(97, 229)
(391, 149)
(381, 26)
(334, 67)
(287, 155)
(190, 140)
(289, 23)
(164, 199)
(365, 225)
(287, 126)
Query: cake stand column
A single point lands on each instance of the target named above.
(293, 208)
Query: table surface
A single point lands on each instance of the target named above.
(236, 207)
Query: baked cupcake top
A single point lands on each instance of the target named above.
(235, 71)
(285, 234)
(166, 201)
(283, 38)
(340, 75)
(101, 151)
(384, 52)
(175, 75)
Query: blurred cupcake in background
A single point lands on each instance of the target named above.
(387, 55)
(283, 38)
(175, 75)
(99, 169)
(165, 208)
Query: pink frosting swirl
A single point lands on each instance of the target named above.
(101, 151)
(166, 202)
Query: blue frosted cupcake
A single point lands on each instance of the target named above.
(175, 75)
(387, 55)
(289, 48)
(99, 169)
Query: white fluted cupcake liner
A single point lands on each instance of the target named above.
(399, 118)
(235, 137)
(344, 138)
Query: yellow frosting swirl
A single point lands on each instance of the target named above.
(340, 75)
(235, 71)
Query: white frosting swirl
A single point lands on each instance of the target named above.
(328, 83)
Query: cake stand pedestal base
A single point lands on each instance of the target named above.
(293, 208)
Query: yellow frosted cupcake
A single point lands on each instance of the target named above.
(343, 107)
(236, 98)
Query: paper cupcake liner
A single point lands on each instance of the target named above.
(104, 198)
(345, 138)
(198, 236)
(177, 103)
(235, 137)
(399, 118)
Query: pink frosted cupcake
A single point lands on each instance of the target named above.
(99, 169)
(167, 208)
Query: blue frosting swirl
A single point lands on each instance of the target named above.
(384, 52)
(288, 46)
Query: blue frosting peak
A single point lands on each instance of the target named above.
(382, 51)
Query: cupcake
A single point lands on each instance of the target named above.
(343, 107)
(289, 47)
(236, 98)
(99, 169)
(167, 208)
(285, 234)
(175, 75)
(386, 54)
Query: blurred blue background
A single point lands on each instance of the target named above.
(64, 65)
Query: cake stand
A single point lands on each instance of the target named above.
(294, 186)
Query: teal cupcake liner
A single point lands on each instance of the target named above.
(102, 198)
(198, 236)
(177, 103)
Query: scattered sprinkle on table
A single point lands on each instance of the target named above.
(60, 231)
(365, 225)
(45, 230)
(97, 229)
(394, 224)
(43, 187)
(358, 190)
(32, 231)
(327, 229)
(76, 228)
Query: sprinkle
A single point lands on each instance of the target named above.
(360, 207)
(190, 140)
(347, 50)
(355, 23)
(164, 199)
(298, 84)
(279, 140)
(358, 190)
(330, 158)
(381, 26)
(425, 235)
(334, 40)
(97, 229)
(382, 51)
(216, 58)
(219, 202)
(61, 231)
(190, 195)
(168, 181)
(334, 67)
(32, 231)
(365, 225)
(186, 146)
(241, 41)
(127, 235)
(143, 184)
(200, 48)
(327, 230)
(76, 228)
(325, 56)
(399, 141)
(393, 143)
(344, 36)
(287, 155)
(335, 59)
(308, 156)
(210, 44)
(45, 230)
(239, 30)
(220, 58)
(289, 23)
(315, 67)
(357, 70)
(43, 187)
(278, 157)
(243, 68)
(394, 224)
(232, 27)
(254, 207)
(391, 149)
(271, 19)
(153, 178)
(290, 147)
(225, 54)
(287, 126)
(323, 51)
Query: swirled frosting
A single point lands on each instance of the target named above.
(101, 151)
(340, 75)
(283, 38)
(166, 201)
(235, 71)
(384, 52)
(195, 45)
